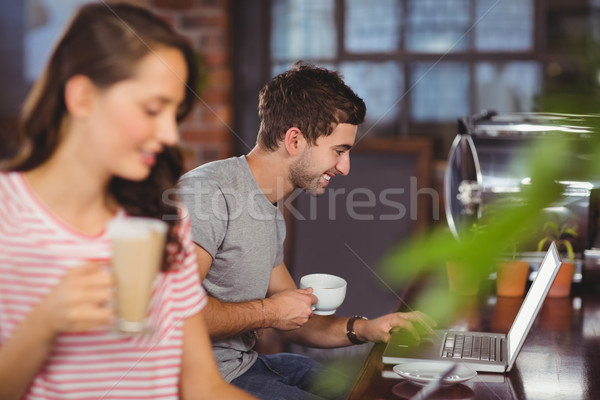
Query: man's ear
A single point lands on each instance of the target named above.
(80, 93)
(294, 141)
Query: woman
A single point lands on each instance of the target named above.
(99, 131)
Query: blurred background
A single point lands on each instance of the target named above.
(420, 66)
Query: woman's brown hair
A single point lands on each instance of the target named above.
(105, 42)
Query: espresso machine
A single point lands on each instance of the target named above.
(488, 163)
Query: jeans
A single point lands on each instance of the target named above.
(288, 376)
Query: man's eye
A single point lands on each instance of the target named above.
(151, 112)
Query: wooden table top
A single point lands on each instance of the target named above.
(559, 360)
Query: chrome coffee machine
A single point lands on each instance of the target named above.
(487, 162)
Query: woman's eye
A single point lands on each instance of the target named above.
(151, 112)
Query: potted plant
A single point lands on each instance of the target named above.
(511, 275)
(561, 235)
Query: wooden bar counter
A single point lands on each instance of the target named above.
(559, 360)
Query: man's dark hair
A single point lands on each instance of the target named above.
(312, 99)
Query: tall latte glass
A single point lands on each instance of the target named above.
(138, 245)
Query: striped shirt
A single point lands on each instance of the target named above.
(36, 249)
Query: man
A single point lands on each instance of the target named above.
(309, 119)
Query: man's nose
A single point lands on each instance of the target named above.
(343, 165)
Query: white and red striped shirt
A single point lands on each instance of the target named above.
(36, 249)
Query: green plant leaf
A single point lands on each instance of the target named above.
(570, 231)
(552, 227)
(542, 243)
(569, 248)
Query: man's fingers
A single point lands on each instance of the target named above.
(309, 292)
(411, 329)
(422, 319)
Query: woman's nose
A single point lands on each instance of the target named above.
(169, 132)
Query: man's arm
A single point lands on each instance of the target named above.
(318, 331)
(330, 331)
(286, 308)
(200, 378)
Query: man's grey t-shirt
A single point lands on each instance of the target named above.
(243, 232)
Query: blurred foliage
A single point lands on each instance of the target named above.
(511, 223)
(571, 87)
(336, 376)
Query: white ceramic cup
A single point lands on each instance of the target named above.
(329, 289)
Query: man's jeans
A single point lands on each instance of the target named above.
(287, 376)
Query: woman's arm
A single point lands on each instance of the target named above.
(200, 378)
(23, 355)
(77, 303)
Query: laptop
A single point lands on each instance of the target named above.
(482, 351)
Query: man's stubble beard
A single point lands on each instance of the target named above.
(301, 178)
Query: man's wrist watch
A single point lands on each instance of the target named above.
(350, 330)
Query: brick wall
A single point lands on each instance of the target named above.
(206, 133)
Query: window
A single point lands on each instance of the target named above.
(418, 64)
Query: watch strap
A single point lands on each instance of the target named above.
(350, 330)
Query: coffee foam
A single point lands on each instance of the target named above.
(135, 227)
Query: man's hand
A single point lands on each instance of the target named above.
(379, 329)
(289, 309)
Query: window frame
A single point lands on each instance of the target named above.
(406, 125)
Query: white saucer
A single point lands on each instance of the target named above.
(423, 372)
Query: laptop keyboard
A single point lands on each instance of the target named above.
(470, 347)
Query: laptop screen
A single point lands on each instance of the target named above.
(532, 303)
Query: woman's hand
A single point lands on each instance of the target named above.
(81, 301)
